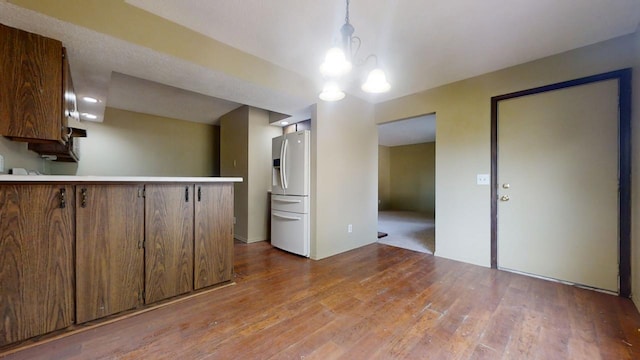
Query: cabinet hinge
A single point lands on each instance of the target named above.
(142, 192)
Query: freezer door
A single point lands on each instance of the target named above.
(290, 232)
(296, 156)
(297, 204)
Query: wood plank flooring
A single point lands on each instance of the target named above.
(376, 302)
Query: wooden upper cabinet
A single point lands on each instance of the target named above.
(31, 88)
(109, 252)
(36, 260)
(67, 151)
(168, 241)
(213, 234)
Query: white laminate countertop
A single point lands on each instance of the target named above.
(128, 179)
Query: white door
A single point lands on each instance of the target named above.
(558, 184)
(296, 163)
(290, 231)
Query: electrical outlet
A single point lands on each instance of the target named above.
(1, 164)
(350, 228)
(483, 179)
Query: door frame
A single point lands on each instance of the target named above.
(624, 165)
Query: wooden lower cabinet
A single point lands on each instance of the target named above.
(36, 260)
(109, 252)
(168, 241)
(213, 234)
(73, 253)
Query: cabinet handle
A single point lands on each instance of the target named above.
(186, 194)
(199, 193)
(83, 199)
(63, 199)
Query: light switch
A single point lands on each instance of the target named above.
(483, 179)
(1, 164)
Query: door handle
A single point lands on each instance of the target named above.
(287, 217)
(63, 198)
(504, 198)
(283, 163)
(288, 201)
(83, 197)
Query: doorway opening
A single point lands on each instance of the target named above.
(407, 183)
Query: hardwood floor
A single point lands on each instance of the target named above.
(377, 302)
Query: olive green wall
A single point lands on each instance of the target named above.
(413, 178)
(463, 146)
(384, 177)
(245, 151)
(16, 155)
(234, 161)
(134, 144)
(259, 178)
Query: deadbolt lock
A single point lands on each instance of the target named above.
(504, 198)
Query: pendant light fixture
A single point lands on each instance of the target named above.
(339, 62)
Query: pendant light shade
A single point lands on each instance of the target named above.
(331, 92)
(335, 63)
(376, 82)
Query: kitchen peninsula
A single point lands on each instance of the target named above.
(78, 248)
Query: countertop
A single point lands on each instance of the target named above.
(119, 179)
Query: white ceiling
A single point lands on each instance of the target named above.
(420, 43)
(416, 130)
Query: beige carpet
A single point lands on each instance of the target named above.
(408, 230)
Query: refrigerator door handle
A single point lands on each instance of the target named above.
(283, 166)
(288, 201)
(282, 163)
(287, 217)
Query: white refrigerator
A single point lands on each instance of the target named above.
(290, 230)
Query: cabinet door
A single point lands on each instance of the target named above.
(31, 86)
(169, 241)
(109, 253)
(213, 234)
(36, 260)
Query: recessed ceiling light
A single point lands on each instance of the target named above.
(284, 123)
(89, 99)
(89, 116)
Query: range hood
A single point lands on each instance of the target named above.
(68, 152)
